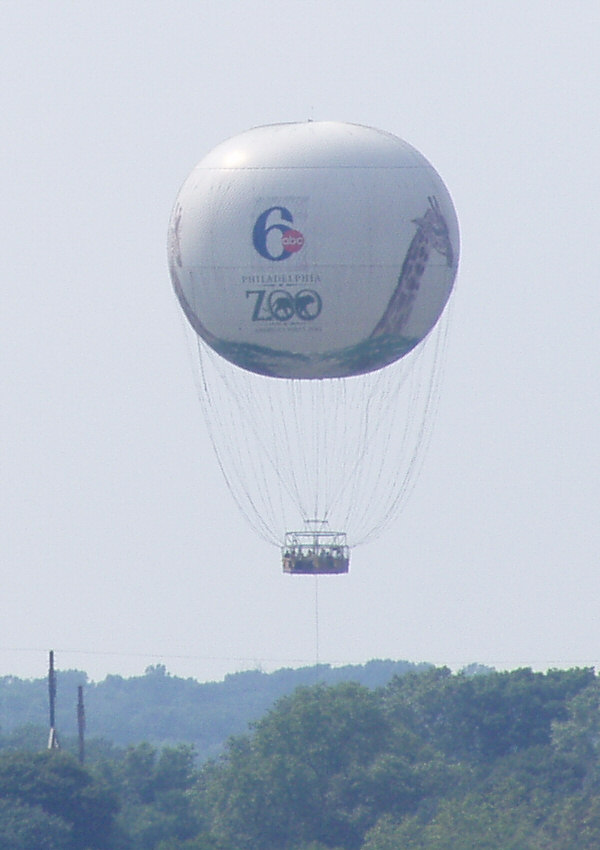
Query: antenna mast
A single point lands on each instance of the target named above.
(81, 723)
(53, 737)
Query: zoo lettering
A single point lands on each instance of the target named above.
(280, 305)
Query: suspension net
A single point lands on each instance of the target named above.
(344, 451)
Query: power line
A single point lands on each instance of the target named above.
(455, 664)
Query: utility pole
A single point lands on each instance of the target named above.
(81, 723)
(53, 737)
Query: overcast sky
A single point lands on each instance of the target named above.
(121, 546)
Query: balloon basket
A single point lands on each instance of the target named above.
(315, 551)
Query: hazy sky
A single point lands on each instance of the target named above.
(121, 546)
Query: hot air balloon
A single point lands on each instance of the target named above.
(313, 261)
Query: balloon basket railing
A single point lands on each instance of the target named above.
(315, 551)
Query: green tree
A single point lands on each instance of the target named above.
(487, 716)
(572, 824)
(468, 823)
(318, 768)
(27, 738)
(578, 736)
(200, 842)
(24, 827)
(56, 783)
(155, 792)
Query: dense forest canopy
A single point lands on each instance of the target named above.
(166, 710)
(430, 761)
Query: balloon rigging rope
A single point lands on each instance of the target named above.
(212, 420)
(421, 442)
(317, 657)
(261, 442)
(390, 459)
(290, 438)
(235, 484)
(347, 451)
(375, 404)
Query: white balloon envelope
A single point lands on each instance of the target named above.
(313, 250)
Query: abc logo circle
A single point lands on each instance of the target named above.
(292, 241)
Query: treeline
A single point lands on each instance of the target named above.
(431, 761)
(162, 709)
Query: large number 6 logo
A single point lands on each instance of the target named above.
(291, 240)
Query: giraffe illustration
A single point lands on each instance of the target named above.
(432, 232)
(174, 235)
